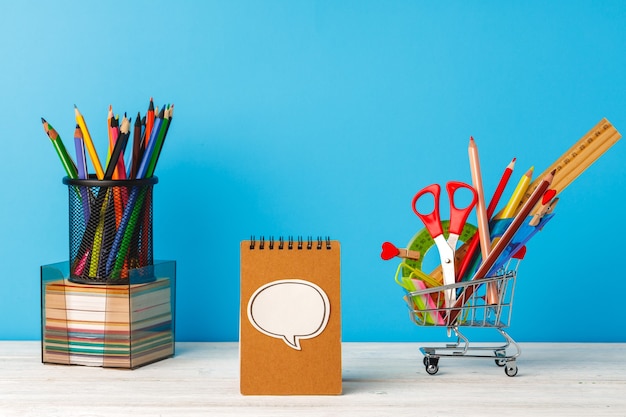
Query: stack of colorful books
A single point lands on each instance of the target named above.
(119, 326)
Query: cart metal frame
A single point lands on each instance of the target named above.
(474, 309)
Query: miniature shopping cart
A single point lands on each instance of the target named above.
(479, 303)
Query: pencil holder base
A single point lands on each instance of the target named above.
(109, 326)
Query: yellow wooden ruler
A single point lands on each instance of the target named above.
(577, 159)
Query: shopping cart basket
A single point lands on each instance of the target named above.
(472, 309)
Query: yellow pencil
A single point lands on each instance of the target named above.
(518, 193)
(98, 237)
(89, 144)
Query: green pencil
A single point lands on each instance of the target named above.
(165, 116)
(66, 160)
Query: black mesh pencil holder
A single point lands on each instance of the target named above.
(110, 225)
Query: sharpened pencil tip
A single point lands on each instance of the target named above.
(43, 120)
(514, 159)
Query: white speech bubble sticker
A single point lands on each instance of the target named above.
(289, 309)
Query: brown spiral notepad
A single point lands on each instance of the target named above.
(290, 321)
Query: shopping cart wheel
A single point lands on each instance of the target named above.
(432, 369)
(500, 361)
(510, 369)
(432, 365)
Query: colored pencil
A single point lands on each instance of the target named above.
(146, 158)
(110, 118)
(66, 160)
(81, 159)
(165, 116)
(150, 115)
(495, 199)
(136, 155)
(120, 171)
(114, 133)
(167, 127)
(118, 149)
(82, 171)
(481, 208)
(511, 207)
(89, 144)
(98, 236)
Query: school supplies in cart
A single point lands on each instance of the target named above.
(474, 288)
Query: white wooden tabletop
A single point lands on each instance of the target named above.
(379, 379)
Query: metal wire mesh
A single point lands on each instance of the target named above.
(110, 229)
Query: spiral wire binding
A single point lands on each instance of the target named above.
(320, 243)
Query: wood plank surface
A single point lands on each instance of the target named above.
(379, 379)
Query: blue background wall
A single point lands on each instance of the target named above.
(321, 117)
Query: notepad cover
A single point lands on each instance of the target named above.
(290, 321)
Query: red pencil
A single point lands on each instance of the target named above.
(500, 189)
(149, 124)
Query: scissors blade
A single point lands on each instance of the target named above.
(446, 255)
(453, 239)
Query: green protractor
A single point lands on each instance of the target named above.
(423, 242)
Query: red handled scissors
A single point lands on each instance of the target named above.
(432, 221)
